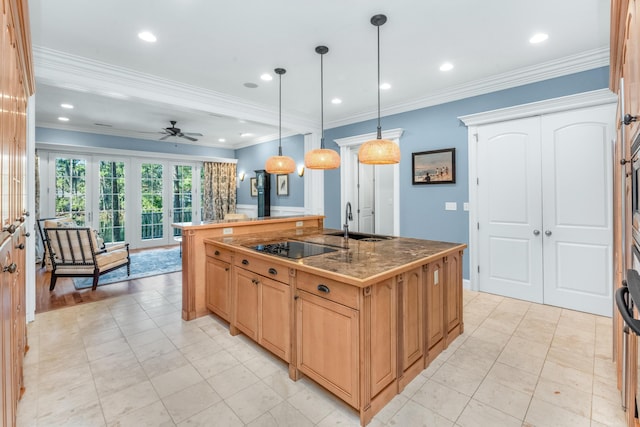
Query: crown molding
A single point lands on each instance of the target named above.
(350, 141)
(557, 68)
(570, 102)
(74, 72)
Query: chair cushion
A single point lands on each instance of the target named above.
(97, 240)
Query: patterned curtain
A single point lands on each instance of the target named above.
(219, 190)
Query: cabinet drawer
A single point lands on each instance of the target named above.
(328, 288)
(218, 252)
(265, 268)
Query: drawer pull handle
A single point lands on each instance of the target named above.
(10, 228)
(245, 262)
(273, 271)
(254, 281)
(216, 253)
(20, 246)
(324, 288)
(226, 269)
(11, 268)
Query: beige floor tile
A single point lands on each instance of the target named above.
(415, 415)
(239, 349)
(128, 400)
(513, 378)
(189, 401)
(112, 380)
(107, 349)
(464, 380)
(66, 398)
(164, 363)
(606, 388)
(528, 346)
(314, 403)
(607, 412)
(507, 400)
(215, 363)
(92, 337)
(145, 337)
(441, 399)
(253, 401)
(231, 381)
(176, 380)
(89, 415)
(564, 396)
(543, 414)
(415, 385)
(567, 358)
(522, 360)
(154, 415)
(154, 349)
(283, 385)
(220, 412)
(286, 415)
(265, 366)
(462, 358)
(200, 349)
(573, 377)
(390, 409)
(479, 414)
(138, 327)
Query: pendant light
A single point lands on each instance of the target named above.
(379, 151)
(280, 164)
(322, 158)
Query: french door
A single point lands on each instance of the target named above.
(127, 199)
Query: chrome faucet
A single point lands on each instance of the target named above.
(348, 216)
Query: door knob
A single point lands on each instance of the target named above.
(547, 233)
(536, 232)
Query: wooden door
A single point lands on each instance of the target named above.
(246, 303)
(509, 214)
(631, 67)
(412, 317)
(275, 317)
(384, 347)
(328, 345)
(577, 209)
(435, 306)
(8, 353)
(218, 291)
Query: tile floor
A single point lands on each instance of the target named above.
(131, 361)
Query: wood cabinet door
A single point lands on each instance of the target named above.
(453, 288)
(435, 303)
(246, 303)
(217, 290)
(275, 317)
(6, 311)
(384, 333)
(327, 345)
(631, 67)
(412, 317)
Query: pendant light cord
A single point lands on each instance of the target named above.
(379, 128)
(322, 100)
(280, 116)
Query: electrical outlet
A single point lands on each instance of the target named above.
(227, 230)
(299, 223)
(450, 206)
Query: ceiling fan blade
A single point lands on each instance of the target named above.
(188, 137)
(193, 133)
(164, 137)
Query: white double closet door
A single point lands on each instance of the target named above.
(545, 208)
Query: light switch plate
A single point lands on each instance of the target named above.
(450, 206)
(227, 230)
(299, 223)
(466, 206)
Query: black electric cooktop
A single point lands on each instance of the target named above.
(293, 250)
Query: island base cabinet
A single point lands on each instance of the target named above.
(218, 288)
(262, 312)
(328, 345)
(435, 309)
(453, 296)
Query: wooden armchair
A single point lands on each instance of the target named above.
(74, 252)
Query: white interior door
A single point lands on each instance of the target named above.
(366, 198)
(509, 214)
(577, 213)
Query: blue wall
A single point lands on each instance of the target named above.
(84, 139)
(253, 158)
(422, 213)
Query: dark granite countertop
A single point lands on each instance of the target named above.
(356, 262)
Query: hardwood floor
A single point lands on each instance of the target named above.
(66, 295)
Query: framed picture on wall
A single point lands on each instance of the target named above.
(434, 167)
(254, 187)
(282, 185)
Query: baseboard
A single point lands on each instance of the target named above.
(466, 284)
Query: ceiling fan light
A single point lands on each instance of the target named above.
(379, 152)
(322, 158)
(280, 165)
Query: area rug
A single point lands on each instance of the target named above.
(143, 264)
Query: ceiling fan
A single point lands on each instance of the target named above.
(174, 131)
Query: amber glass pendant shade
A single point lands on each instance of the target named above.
(379, 151)
(280, 164)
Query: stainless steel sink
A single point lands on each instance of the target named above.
(361, 236)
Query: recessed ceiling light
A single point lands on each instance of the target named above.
(447, 66)
(67, 106)
(250, 85)
(222, 140)
(63, 119)
(147, 36)
(336, 101)
(245, 134)
(385, 86)
(266, 77)
(538, 38)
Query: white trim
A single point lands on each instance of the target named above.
(252, 210)
(66, 148)
(347, 170)
(30, 185)
(313, 180)
(475, 121)
(466, 284)
(570, 102)
(557, 68)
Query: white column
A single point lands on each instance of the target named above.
(313, 180)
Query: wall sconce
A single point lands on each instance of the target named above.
(301, 170)
(241, 176)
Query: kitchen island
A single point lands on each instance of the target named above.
(361, 316)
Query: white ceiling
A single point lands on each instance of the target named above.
(87, 53)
